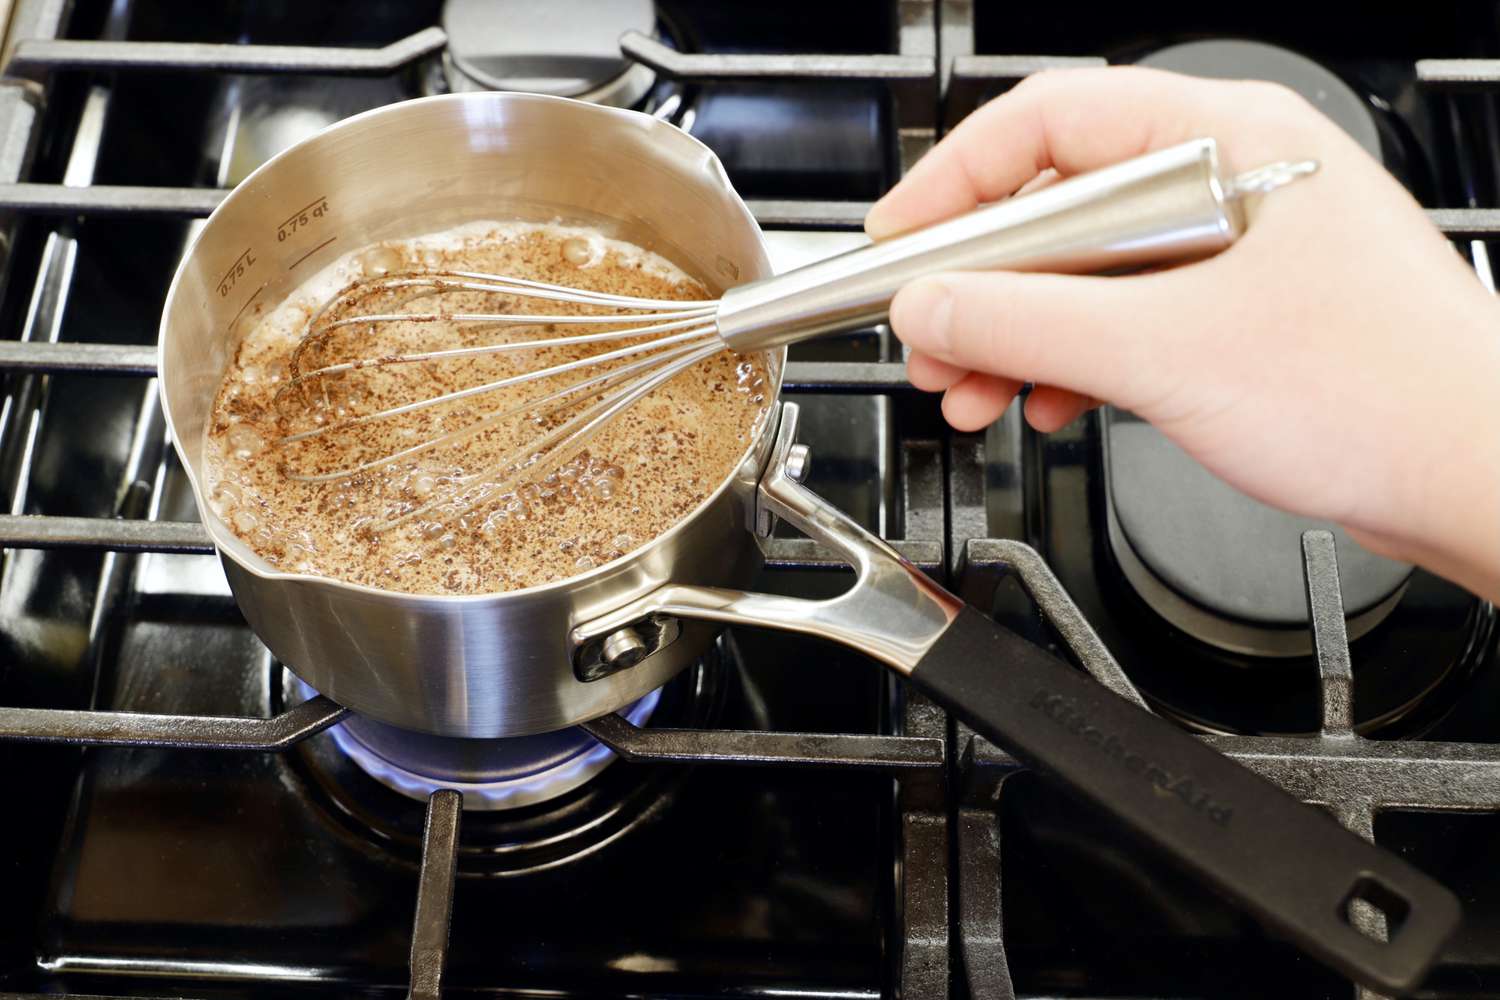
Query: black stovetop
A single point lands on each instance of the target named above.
(152, 871)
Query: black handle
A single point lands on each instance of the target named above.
(1289, 864)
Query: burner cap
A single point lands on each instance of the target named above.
(491, 774)
(1234, 59)
(1179, 532)
(566, 48)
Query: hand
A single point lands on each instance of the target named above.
(1339, 361)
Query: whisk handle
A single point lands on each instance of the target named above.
(1165, 206)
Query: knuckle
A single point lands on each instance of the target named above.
(1036, 83)
(1050, 80)
(1276, 101)
(1277, 94)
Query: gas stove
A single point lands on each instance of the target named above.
(783, 818)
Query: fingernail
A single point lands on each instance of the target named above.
(922, 316)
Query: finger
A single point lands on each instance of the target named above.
(1071, 120)
(1101, 337)
(1050, 408)
(1045, 179)
(931, 375)
(977, 400)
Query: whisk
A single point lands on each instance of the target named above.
(1165, 206)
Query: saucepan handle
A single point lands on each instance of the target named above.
(1291, 865)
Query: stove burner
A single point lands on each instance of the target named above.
(1224, 568)
(514, 831)
(1218, 565)
(566, 48)
(491, 774)
(1204, 685)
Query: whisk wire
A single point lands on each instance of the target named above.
(445, 281)
(556, 446)
(665, 337)
(538, 407)
(510, 381)
(299, 378)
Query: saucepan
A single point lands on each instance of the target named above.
(551, 656)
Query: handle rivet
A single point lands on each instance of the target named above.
(623, 648)
(798, 462)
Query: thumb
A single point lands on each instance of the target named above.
(1100, 337)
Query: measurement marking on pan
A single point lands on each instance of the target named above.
(311, 252)
(302, 218)
(242, 263)
(253, 295)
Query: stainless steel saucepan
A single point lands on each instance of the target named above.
(551, 656)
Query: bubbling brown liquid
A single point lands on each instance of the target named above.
(470, 516)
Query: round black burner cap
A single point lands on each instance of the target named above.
(1214, 545)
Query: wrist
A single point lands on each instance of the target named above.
(1461, 524)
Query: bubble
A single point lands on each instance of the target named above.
(423, 484)
(250, 374)
(381, 260)
(244, 522)
(623, 541)
(432, 529)
(584, 562)
(226, 493)
(244, 441)
(448, 541)
(580, 251)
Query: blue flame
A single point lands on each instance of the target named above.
(509, 794)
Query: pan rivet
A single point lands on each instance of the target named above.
(798, 462)
(624, 648)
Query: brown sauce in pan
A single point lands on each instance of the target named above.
(459, 519)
